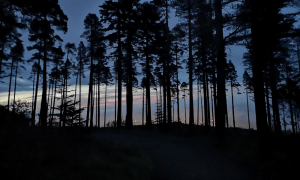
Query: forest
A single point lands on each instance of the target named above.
(127, 33)
(129, 45)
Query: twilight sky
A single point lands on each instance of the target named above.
(76, 10)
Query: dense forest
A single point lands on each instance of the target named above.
(127, 33)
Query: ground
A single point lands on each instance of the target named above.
(142, 153)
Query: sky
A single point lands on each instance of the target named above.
(76, 10)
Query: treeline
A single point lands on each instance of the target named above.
(128, 32)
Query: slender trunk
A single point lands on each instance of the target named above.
(201, 107)
(120, 72)
(168, 81)
(115, 124)
(9, 86)
(32, 101)
(248, 108)
(226, 111)
(148, 97)
(156, 105)
(129, 99)
(173, 110)
(15, 89)
(164, 94)
(99, 97)
(44, 106)
(184, 108)
(212, 107)
(65, 102)
(143, 107)
(233, 118)
(96, 99)
(75, 93)
(268, 107)
(191, 122)
(62, 97)
(283, 112)
(92, 105)
(160, 103)
(177, 86)
(53, 106)
(207, 100)
(205, 96)
(198, 103)
(291, 113)
(36, 90)
(105, 105)
(80, 73)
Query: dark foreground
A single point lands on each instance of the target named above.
(140, 153)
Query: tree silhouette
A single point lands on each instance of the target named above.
(232, 75)
(184, 88)
(94, 35)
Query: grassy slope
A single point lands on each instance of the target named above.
(67, 154)
(76, 154)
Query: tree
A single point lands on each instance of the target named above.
(183, 88)
(111, 13)
(149, 25)
(16, 55)
(248, 86)
(232, 75)
(94, 35)
(82, 60)
(184, 9)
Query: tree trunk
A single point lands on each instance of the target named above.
(201, 107)
(283, 112)
(98, 106)
(198, 103)
(177, 86)
(105, 105)
(44, 106)
(9, 86)
(92, 105)
(143, 107)
(268, 107)
(53, 106)
(184, 108)
(257, 70)
(36, 89)
(233, 118)
(212, 107)
(115, 124)
(248, 108)
(32, 101)
(148, 97)
(221, 62)
(15, 89)
(120, 72)
(191, 122)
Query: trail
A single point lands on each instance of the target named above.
(182, 158)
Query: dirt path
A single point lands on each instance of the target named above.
(182, 158)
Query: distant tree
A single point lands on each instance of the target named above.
(184, 88)
(82, 60)
(184, 9)
(232, 75)
(247, 83)
(16, 55)
(94, 34)
(150, 22)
